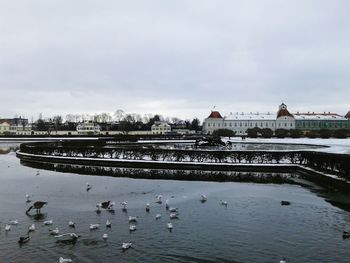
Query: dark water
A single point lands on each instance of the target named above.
(253, 228)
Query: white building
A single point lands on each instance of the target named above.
(4, 127)
(160, 127)
(241, 122)
(87, 128)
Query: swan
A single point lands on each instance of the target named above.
(126, 245)
(108, 223)
(174, 215)
(105, 236)
(132, 227)
(132, 219)
(54, 232)
(7, 227)
(71, 224)
(203, 198)
(48, 222)
(31, 228)
(88, 187)
(158, 216)
(147, 207)
(13, 222)
(64, 260)
(94, 226)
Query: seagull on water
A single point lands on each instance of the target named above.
(283, 260)
(170, 226)
(147, 207)
(158, 216)
(54, 232)
(108, 223)
(125, 205)
(159, 199)
(126, 245)
(203, 198)
(132, 227)
(224, 202)
(48, 222)
(28, 198)
(94, 226)
(13, 222)
(31, 228)
(71, 224)
(64, 260)
(105, 236)
(167, 204)
(7, 227)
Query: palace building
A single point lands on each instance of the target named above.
(283, 119)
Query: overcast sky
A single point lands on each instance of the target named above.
(176, 58)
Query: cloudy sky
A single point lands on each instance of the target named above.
(176, 58)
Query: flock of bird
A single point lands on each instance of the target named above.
(107, 205)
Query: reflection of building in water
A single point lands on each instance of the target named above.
(283, 119)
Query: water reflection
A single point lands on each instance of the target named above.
(189, 175)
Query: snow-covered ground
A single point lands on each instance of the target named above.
(335, 145)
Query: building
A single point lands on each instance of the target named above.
(160, 127)
(317, 121)
(88, 128)
(241, 122)
(4, 127)
(283, 119)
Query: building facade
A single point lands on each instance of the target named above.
(87, 128)
(160, 127)
(283, 119)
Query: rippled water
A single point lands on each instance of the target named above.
(254, 227)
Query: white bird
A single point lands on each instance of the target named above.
(7, 227)
(64, 260)
(94, 226)
(88, 187)
(31, 228)
(71, 236)
(13, 222)
(28, 198)
(105, 236)
(108, 223)
(170, 226)
(203, 198)
(126, 245)
(132, 227)
(167, 204)
(158, 216)
(54, 231)
(48, 222)
(224, 202)
(174, 215)
(99, 206)
(159, 199)
(147, 207)
(125, 205)
(132, 219)
(283, 260)
(71, 224)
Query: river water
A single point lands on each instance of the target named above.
(254, 227)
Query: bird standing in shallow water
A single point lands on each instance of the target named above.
(37, 205)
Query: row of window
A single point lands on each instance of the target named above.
(322, 125)
(262, 124)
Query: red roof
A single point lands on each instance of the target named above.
(347, 115)
(215, 115)
(284, 113)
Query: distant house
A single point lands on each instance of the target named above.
(4, 127)
(88, 128)
(160, 127)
